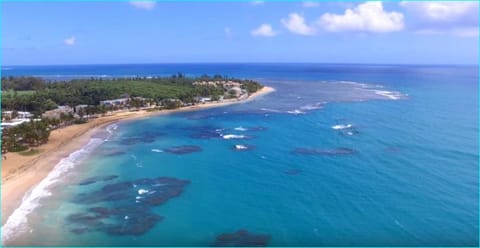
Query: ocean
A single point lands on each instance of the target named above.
(338, 155)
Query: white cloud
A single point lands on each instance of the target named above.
(145, 5)
(264, 30)
(455, 18)
(368, 17)
(70, 41)
(296, 24)
(257, 3)
(442, 11)
(309, 4)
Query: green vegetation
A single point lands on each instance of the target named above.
(37, 96)
(251, 86)
(28, 134)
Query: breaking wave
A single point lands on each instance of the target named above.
(233, 136)
(16, 222)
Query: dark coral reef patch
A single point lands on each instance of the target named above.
(133, 201)
(180, 150)
(241, 238)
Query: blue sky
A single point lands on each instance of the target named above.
(35, 33)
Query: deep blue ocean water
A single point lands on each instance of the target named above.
(340, 155)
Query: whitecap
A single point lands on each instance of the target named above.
(157, 150)
(240, 147)
(110, 129)
(233, 136)
(142, 191)
(342, 126)
(295, 112)
(362, 85)
(240, 128)
(314, 106)
(16, 222)
(271, 110)
(389, 94)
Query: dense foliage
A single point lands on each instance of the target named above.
(37, 96)
(22, 83)
(26, 134)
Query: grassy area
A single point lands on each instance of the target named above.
(10, 93)
(30, 152)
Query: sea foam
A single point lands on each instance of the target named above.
(314, 106)
(240, 129)
(110, 129)
(16, 222)
(389, 94)
(341, 126)
(241, 147)
(233, 136)
(296, 112)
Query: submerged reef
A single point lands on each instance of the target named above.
(204, 132)
(92, 180)
(133, 202)
(241, 238)
(111, 152)
(180, 150)
(144, 137)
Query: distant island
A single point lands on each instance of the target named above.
(32, 107)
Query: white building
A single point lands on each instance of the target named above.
(115, 102)
(19, 115)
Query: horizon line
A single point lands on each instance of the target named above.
(259, 63)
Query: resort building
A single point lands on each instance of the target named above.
(231, 84)
(78, 107)
(15, 118)
(225, 84)
(8, 115)
(115, 102)
(203, 99)
(55, 113)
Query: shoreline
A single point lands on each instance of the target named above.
(20, 174)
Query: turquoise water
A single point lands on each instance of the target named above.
(389, 158)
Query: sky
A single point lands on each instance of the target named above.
(55, 33)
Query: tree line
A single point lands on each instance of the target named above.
(38, 95)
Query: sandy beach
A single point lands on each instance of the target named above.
(21, 173)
